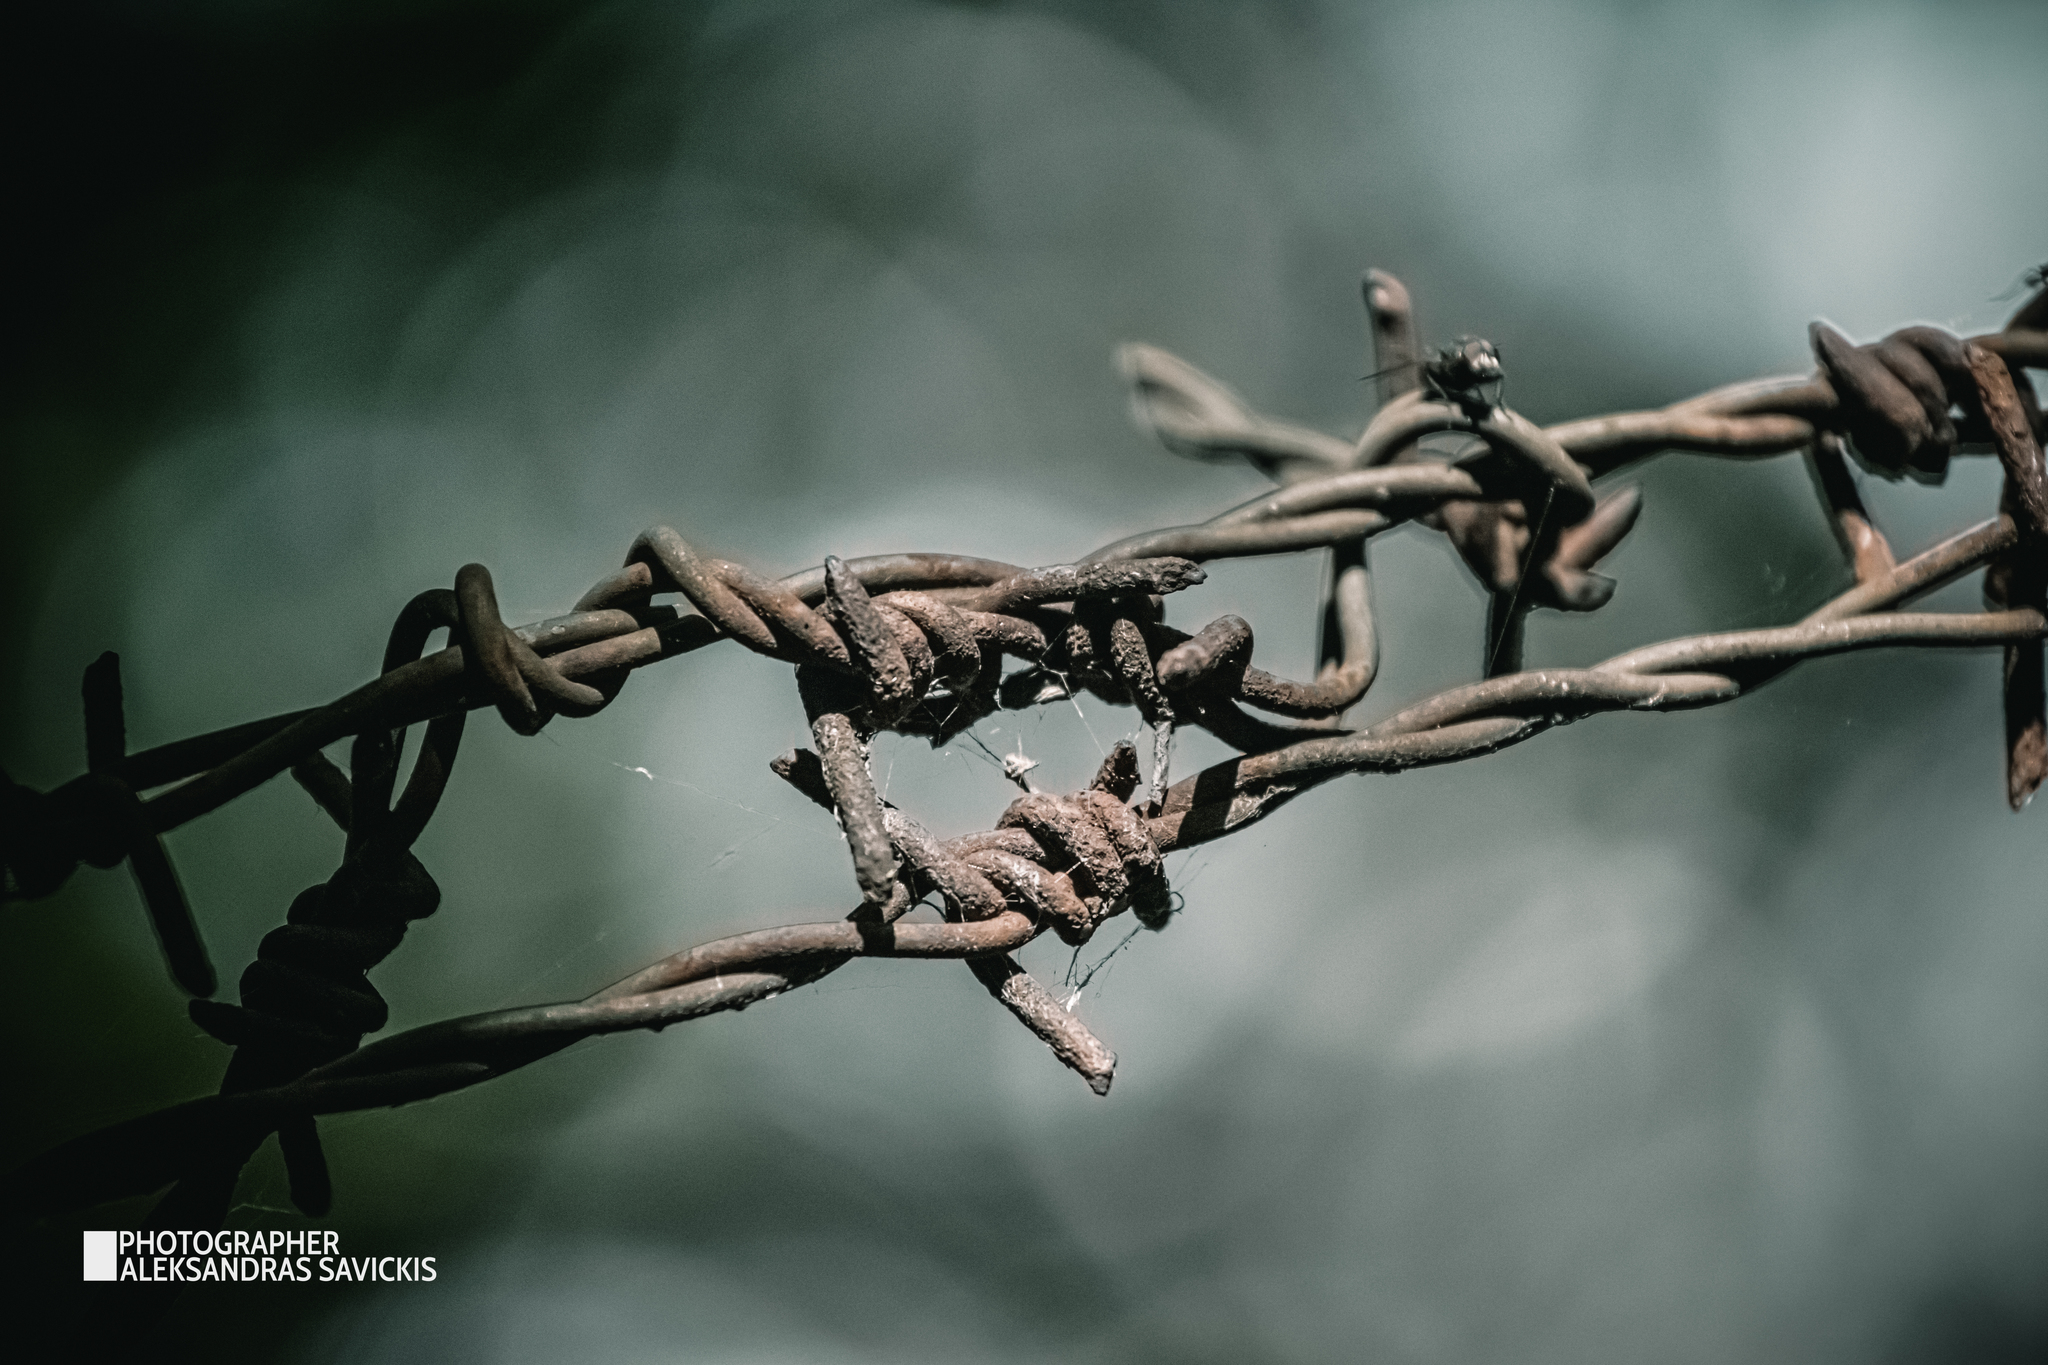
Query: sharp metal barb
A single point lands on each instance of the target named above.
(914, 643)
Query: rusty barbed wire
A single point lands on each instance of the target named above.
(915, 644)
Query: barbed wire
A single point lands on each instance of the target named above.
(916, 644)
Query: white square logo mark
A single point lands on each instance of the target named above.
(100, 1256)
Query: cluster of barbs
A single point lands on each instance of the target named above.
(916, 643)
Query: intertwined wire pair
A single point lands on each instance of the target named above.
(916, 643)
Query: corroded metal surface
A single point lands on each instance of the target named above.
(917, 644)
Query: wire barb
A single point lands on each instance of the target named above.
(915, 643)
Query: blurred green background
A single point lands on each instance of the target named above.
(1710, 1037)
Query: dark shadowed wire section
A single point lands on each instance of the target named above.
(917, 644)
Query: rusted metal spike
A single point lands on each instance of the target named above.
(1035, 1008)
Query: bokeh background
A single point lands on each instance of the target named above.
(1711, 1037)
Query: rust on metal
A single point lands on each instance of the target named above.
(917, 643)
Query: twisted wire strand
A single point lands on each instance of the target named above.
(996, 905)
(100, 819)
(602, 634)
(307, 998)
(915, 642)
(1906, 403)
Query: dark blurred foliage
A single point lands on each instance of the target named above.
(161, 150)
